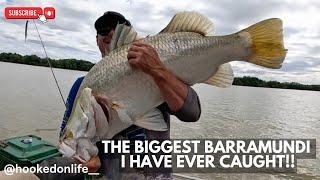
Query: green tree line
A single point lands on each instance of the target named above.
(256, 82)
(83, 65)
(72, 64)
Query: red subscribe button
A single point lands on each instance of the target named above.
(28, 12)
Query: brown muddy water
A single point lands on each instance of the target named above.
(30, 104)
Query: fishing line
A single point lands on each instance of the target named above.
(47, 58)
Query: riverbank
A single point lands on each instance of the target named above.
(72, 64)
(82, 65)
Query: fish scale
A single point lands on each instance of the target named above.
(187, 51)
(186, 44)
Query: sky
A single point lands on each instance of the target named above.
(72, 35)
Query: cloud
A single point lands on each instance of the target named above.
(308, 63)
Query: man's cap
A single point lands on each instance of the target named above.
(109, 21)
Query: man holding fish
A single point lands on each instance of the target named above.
(180, 99)
(133, 90)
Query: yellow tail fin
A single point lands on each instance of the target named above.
(267, 43)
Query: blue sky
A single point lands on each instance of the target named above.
(72, 35)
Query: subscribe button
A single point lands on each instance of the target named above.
(28, 12)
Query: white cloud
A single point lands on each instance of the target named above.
(72, 35)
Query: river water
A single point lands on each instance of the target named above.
(30, 104)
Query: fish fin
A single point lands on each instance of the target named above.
(152, 120)
(123, 35)
(115, 37)
(267, 43)
(189, 22)
(123, 116)
(120, 120)
(223, 77)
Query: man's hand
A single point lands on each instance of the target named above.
(145, 57)
(93, 164)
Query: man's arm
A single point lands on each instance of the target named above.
(191, 109)
(181, 99)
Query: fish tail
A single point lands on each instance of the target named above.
(267, 47)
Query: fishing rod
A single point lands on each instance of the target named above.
(47, 58)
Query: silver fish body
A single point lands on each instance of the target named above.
(193, 58)
(133, 95)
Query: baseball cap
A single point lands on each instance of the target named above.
(109, 21)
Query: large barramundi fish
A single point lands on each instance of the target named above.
(186, 49)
